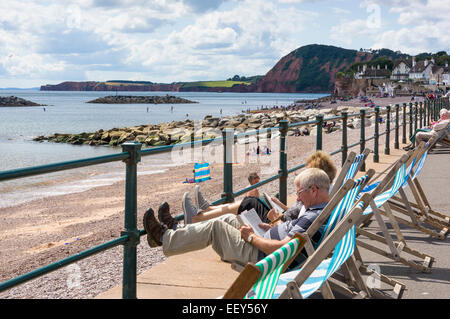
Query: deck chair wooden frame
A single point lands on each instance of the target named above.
(419, 211)
(392, 250)
(351, 166)
(293, 288)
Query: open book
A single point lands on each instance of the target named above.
(272, 204)
(251, 218)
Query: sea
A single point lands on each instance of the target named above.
(69, 112)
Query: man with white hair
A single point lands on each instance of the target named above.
(428, 132)
(236, 243)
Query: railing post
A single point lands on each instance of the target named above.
(319, 119)
(283, 161)
(397, 113)
(420, 115)
(404, 124)
(388, 130)
(129, 253)
(416, 105)
(376, 156)
(362, 136)
(228, 143)
(344, 137)
(428, 112)
(410, 120)
(425, 113)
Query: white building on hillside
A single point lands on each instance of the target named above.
(421, 71)
(401, 70)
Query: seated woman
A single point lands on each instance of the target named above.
(424, 134)
(204, 211)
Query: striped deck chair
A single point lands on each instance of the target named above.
(420, 210)
(344, 203)
(399, 174)
(261, 278)
(351, 166)
(303, 282)
(201, 172)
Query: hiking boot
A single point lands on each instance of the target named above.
(200, 201)
(188, 208)
(165, 217)
(153, 228)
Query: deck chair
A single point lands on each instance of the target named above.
(419, 210)
(333, 212)
(263, 276)
(441, 138)
(351, 166)
(318, 269)
(387, 188)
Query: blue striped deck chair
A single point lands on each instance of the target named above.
(351, 166)
(201, 172)
(399, 173)
(318, 268)
(420, 210)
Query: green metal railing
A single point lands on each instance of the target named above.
(131, 155)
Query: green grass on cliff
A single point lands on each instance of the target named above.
(213, 84)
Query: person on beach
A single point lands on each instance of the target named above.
(204, 211)
(232, 241)
(424, 134)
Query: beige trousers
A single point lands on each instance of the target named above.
(222, 233)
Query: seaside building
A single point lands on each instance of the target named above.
(375, 73)
(421, 71)
(446, 75)
(401, 70)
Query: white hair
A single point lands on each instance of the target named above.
(313, 176)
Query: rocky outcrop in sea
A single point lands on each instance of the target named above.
(16, 101)
(210, 127)
(130, 99)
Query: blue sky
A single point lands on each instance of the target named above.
(47, 42)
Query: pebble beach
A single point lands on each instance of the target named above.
(40, 232)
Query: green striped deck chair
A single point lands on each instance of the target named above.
(261, 278)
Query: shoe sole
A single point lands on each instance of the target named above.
(152, 243)
(184, 208)
(196, 189)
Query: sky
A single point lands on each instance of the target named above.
(164, 41)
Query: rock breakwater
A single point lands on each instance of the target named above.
(16, 101)
(210, 127)
(129, 99)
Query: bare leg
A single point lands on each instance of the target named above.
(217, 211)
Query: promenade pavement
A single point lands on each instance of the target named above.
(201, 274)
